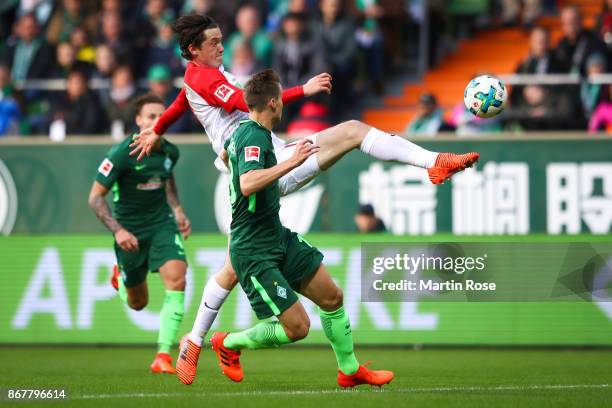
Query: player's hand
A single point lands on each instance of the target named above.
(144, 143)
(126, 240)
(303, 150)
(183, 223)
(318, 83)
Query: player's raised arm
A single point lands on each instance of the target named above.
(318, 83)
(256, 180)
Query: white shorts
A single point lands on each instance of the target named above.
(300, 176)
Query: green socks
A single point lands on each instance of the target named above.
(170, 319)
(337, 328)
(122, 290)
(263, 335)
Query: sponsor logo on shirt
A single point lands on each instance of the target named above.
(153, 183)
(224, 92)
(106, 167)
(251, 153)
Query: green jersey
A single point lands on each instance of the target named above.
(256, 225)
(140, 202)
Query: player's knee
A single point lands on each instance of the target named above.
(226, 277)
(333, 302)
(177, 283)
(355, 131)
(138, 303)
(298, 330)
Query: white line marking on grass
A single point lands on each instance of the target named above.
(340, 392)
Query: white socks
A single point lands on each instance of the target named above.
(384, 146)
(212, 299)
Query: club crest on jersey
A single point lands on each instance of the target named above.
(106, 167)
(251, 153)
(224, 92)
(168, 163)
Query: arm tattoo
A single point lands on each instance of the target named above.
(99, 205)
(172, 193)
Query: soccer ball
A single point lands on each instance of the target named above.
(485, 96)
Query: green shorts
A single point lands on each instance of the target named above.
(156, 247)
(271, 279)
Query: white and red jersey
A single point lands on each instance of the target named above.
(215, 98)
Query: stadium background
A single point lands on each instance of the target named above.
(545, 174)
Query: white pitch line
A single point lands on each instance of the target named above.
(340, 392)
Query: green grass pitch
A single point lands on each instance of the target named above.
(296, 377)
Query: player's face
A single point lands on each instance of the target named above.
(148, 115)
(210, 51)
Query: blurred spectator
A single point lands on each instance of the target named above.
(313, 118)
(337, 37)
(601, 120)
(604, 28)
(297, 56)
(370, 43)
(248, 22)
(577, 42)
(10, 113)
(68, 16)
(592, 93)
(164, 47)
(66, 62)
(105, 65)
(543, 109)
(429, 119)
(222, 11)
(8, 13)
(82, 45)
(112, 35)
(160, 84)
(29, 55)
(244, 63)
(122, 91)
(541, 59)
(105, 62)
(41, 9)
(78, 107)
(366, 221)
(511, 9)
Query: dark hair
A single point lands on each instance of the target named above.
(190, 29)
(142, 100)
(262, 87)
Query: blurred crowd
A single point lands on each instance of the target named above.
(537, 107)
(106, 52)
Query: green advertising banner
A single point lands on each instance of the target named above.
(55, 290)
(521, 185)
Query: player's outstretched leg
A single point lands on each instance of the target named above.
(338, 140)
(321, 289)
(215, 292)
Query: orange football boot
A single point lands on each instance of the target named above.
(162, 364)
(365, 376)
(114, 280)
(229, 360)
(187, 361)
(448, 164)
